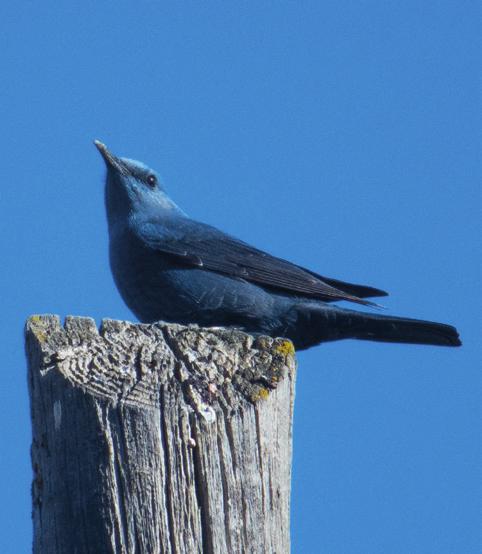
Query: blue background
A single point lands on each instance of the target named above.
(344, 136)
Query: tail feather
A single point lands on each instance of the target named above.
(397, 329)
(319, 323)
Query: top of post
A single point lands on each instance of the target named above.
(216, 368)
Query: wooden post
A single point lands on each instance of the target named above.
(159, 438)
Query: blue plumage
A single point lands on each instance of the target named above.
(172, 268)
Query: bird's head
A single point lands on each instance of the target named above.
(132, 187)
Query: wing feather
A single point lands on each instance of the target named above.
(199, 245)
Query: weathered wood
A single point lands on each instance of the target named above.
(159, 438)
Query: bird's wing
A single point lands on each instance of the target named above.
(361, 291)
(202, 246)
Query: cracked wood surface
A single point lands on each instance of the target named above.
(159, 438)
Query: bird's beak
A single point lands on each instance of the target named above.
(110, 160)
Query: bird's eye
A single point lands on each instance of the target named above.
(151, 180)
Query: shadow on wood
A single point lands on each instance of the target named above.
(159, 438)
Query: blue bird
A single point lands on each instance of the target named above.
(170, 267)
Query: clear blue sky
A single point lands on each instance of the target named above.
(342, 135)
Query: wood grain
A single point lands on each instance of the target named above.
(159, 438)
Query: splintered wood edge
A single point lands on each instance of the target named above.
(123, 362)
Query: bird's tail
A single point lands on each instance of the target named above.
(334, 324)
(399, 329)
